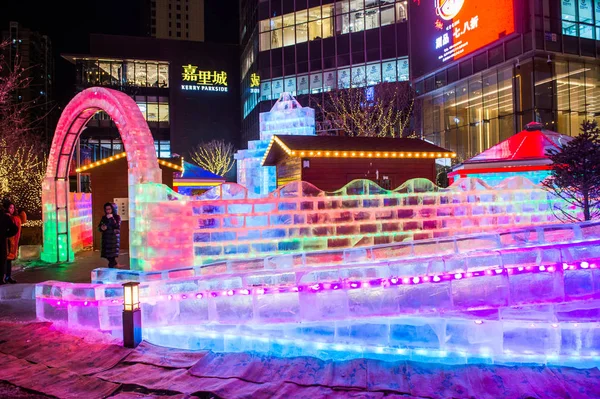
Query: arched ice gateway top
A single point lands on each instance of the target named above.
(141, 159)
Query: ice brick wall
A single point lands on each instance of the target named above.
(225, 223)
(80, 220)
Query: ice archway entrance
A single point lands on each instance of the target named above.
(141, 159)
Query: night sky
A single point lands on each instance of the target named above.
(74, 21)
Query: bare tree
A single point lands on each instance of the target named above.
(216, 156)
(383, 110)
(575, 177)
(22, 156)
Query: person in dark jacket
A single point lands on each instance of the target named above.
(7, 229)
(13, 242)
(110, 227)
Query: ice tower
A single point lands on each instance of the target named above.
(286, 117)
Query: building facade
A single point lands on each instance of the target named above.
(481, 72)
(186, 90)
(544, 68)
(310, 47)
(177, 19)
(32, 51)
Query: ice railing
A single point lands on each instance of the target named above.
(225, 224)
(416, 251)
(542, 257)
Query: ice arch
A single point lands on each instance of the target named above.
(141, 159)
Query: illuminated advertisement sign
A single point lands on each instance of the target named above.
(443, 31)
(197, 80)
(254, 83)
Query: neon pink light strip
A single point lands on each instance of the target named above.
(346, 284)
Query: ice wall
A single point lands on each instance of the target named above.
(80, 220)
(228, 223)
(287, 117)
(527, 295)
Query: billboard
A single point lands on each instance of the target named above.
(443, 31)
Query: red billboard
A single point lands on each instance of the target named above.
(443, 31)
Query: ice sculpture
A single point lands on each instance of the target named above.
(80, 220)
(141, 159)
(528, 295)
(287, 117)
(228, 223)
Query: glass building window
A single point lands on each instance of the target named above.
(401, 11)
(265, 41)
(387, 15)
(320, 22)
(579, 17)
(121, 73)
(289, 36)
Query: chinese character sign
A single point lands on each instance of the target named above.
(203, 80)
(443, 31)
(254, 80)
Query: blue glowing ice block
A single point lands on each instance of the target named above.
(287, 117)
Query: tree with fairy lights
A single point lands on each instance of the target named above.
(216, 156)
(22, 156)
(382, 110)
(575, 176)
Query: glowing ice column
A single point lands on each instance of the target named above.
(141, 159)
(287, 117)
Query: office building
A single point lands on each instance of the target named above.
(186, 90)
(308, 48)
(32, 51)
(481, 71)
(484, 71)
(177, 19)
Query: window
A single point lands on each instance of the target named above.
(163, 148)
(319, 22)
(301, 33)
(178, 25)
(140, 74)
(314, 30)
(289, 36)
(372, 18)
(579, 17)
(178, 16)
(178, 34)
(265, 41)
(276, 39)
(387, 15)
(178, 7)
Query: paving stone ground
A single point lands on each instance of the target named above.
(75, 272)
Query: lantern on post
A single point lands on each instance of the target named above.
(132, 316)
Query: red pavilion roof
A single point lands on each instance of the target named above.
(529, 144)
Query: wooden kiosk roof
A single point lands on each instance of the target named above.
(351, 147)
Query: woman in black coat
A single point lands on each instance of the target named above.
(110, 227)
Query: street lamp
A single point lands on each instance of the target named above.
(132, 316)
